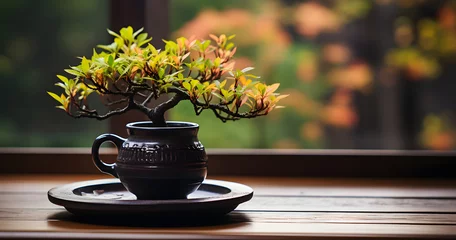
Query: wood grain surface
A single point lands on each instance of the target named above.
(282, 208)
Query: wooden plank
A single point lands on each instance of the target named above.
(416, 188)
(346, 217)
(284, 204)
(242, 230)
(238, 216)
(282, 208)
(350, 204)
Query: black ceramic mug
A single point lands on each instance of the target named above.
(156, 162)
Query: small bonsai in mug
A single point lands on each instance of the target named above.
(160, 159)
(130, 72)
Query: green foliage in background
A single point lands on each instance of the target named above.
(38, 39)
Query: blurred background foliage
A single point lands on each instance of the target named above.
(38, 40)
(329, 56)
(372, 74)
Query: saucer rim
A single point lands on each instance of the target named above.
(64, 196)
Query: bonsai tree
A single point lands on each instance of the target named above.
(130, 72)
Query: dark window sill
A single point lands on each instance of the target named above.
(255, 162)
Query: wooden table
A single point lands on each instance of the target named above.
(281, 208)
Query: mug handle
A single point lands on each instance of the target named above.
(102, 166)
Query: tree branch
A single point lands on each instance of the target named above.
(230, 114)
(110, 103)
(148, 98)
(157, 115)
(102, 117)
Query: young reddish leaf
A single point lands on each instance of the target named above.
(244, 100)
(229, 66)
(214, 37)
(281, 97)
(271, 88)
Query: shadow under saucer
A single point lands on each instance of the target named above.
(152, 221)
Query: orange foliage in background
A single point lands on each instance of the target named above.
(323, 76)
(312, 19)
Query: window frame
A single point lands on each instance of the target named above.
(252, 162)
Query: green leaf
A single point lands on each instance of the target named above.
(222, 84)
(161, 72)
(176, 73)
(61, 85)
(206, 44)
(217, 62)
(152, 49)
(74, 72)
(85, 65)
(114, 33)
(166, 86)
(63, 79)
(94, 53)
(138, 32)
(117, 44)
(261, 88)
(70, 84)
(224, 92)
(200, 87)
(110, 60)
(229, 46)
(108, 48)
(127, 68)
(187, 86)
(170, 46)
(218, 95)
(194, 83)
(127, 33)
(141, 37)
(139, 44)
(252, 76)
(56, 97)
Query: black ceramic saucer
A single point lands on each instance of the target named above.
(109, 197)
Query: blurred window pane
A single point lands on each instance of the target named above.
(38, 40)
(360, 73)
